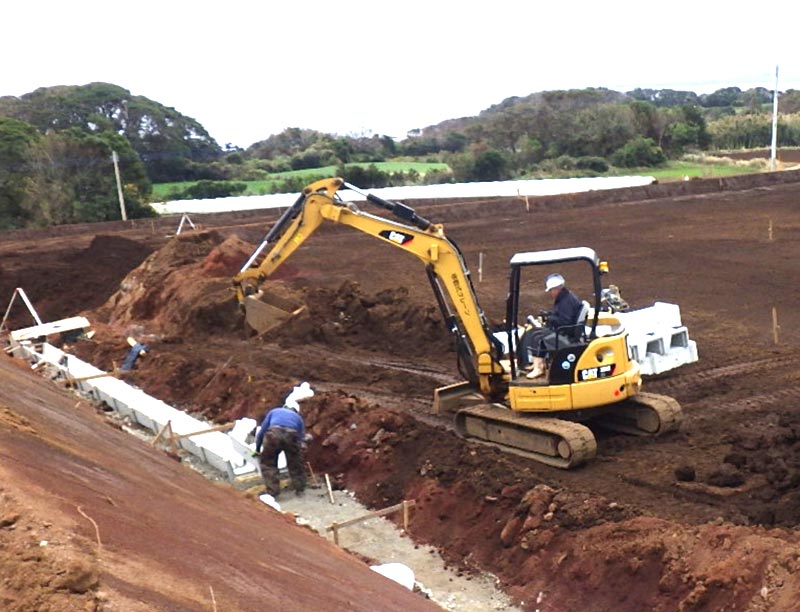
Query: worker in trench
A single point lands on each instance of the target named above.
(282, 429)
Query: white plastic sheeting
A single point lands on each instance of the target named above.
(536, 187)
(399, 572)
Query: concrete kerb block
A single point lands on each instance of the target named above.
(657, 338)
(213, 448)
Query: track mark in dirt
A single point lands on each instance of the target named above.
(765, 399)
(678, 380)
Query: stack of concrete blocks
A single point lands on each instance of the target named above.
(657, 338)
(229, 454)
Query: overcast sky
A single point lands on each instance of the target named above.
(248, 69)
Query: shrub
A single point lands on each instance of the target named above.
(637, 153)
(595, 164)
(203, 190)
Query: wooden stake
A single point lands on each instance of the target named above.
(404, 506)
(330, 490)
(775, 326)
(213, 599)
(769, 231)
(167, 434)
(93, 376)
(313, 476)
(527, 203)
(171, 438)
(225, 427)
(160, 433)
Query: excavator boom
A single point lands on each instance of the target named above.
(444, 263)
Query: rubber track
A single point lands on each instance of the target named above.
(624, 417)
(579, 438)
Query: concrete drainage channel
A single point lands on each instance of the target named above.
(224, 453)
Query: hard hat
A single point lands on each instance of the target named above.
(553, 281)
(300, 392)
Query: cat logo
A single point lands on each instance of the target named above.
(603, 371)
(400, 238)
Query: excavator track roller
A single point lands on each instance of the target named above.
(555, 442)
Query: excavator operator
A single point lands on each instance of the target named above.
(543, 336)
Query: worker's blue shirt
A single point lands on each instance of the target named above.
(280, 417)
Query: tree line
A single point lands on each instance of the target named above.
(56, 144)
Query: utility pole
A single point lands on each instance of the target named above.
(773, 154)
(115, 157)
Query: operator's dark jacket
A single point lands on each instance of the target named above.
(566, 309)
(537, 342)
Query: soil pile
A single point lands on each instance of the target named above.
(385, 322)
(181, 290)
(64, 282)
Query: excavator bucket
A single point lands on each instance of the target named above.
(265, 311)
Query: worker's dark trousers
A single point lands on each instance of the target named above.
(278, 439)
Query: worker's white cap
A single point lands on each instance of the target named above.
(553, 281)
(299, 393)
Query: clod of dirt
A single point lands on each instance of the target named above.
(79, 576)
(685, 473)
(726, 475)
(384, 322)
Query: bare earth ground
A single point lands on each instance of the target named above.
(633, 530)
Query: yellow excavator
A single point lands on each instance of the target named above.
(590, 377)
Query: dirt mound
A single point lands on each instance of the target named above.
(64, 283)
(386, 322)
(181, 290)
(184, 290)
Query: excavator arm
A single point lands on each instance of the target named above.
(479, 355)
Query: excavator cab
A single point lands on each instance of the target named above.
(531, 264)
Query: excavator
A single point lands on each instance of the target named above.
(592, 376)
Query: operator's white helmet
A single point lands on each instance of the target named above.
(553, 281)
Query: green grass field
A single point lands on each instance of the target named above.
(161, 190)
